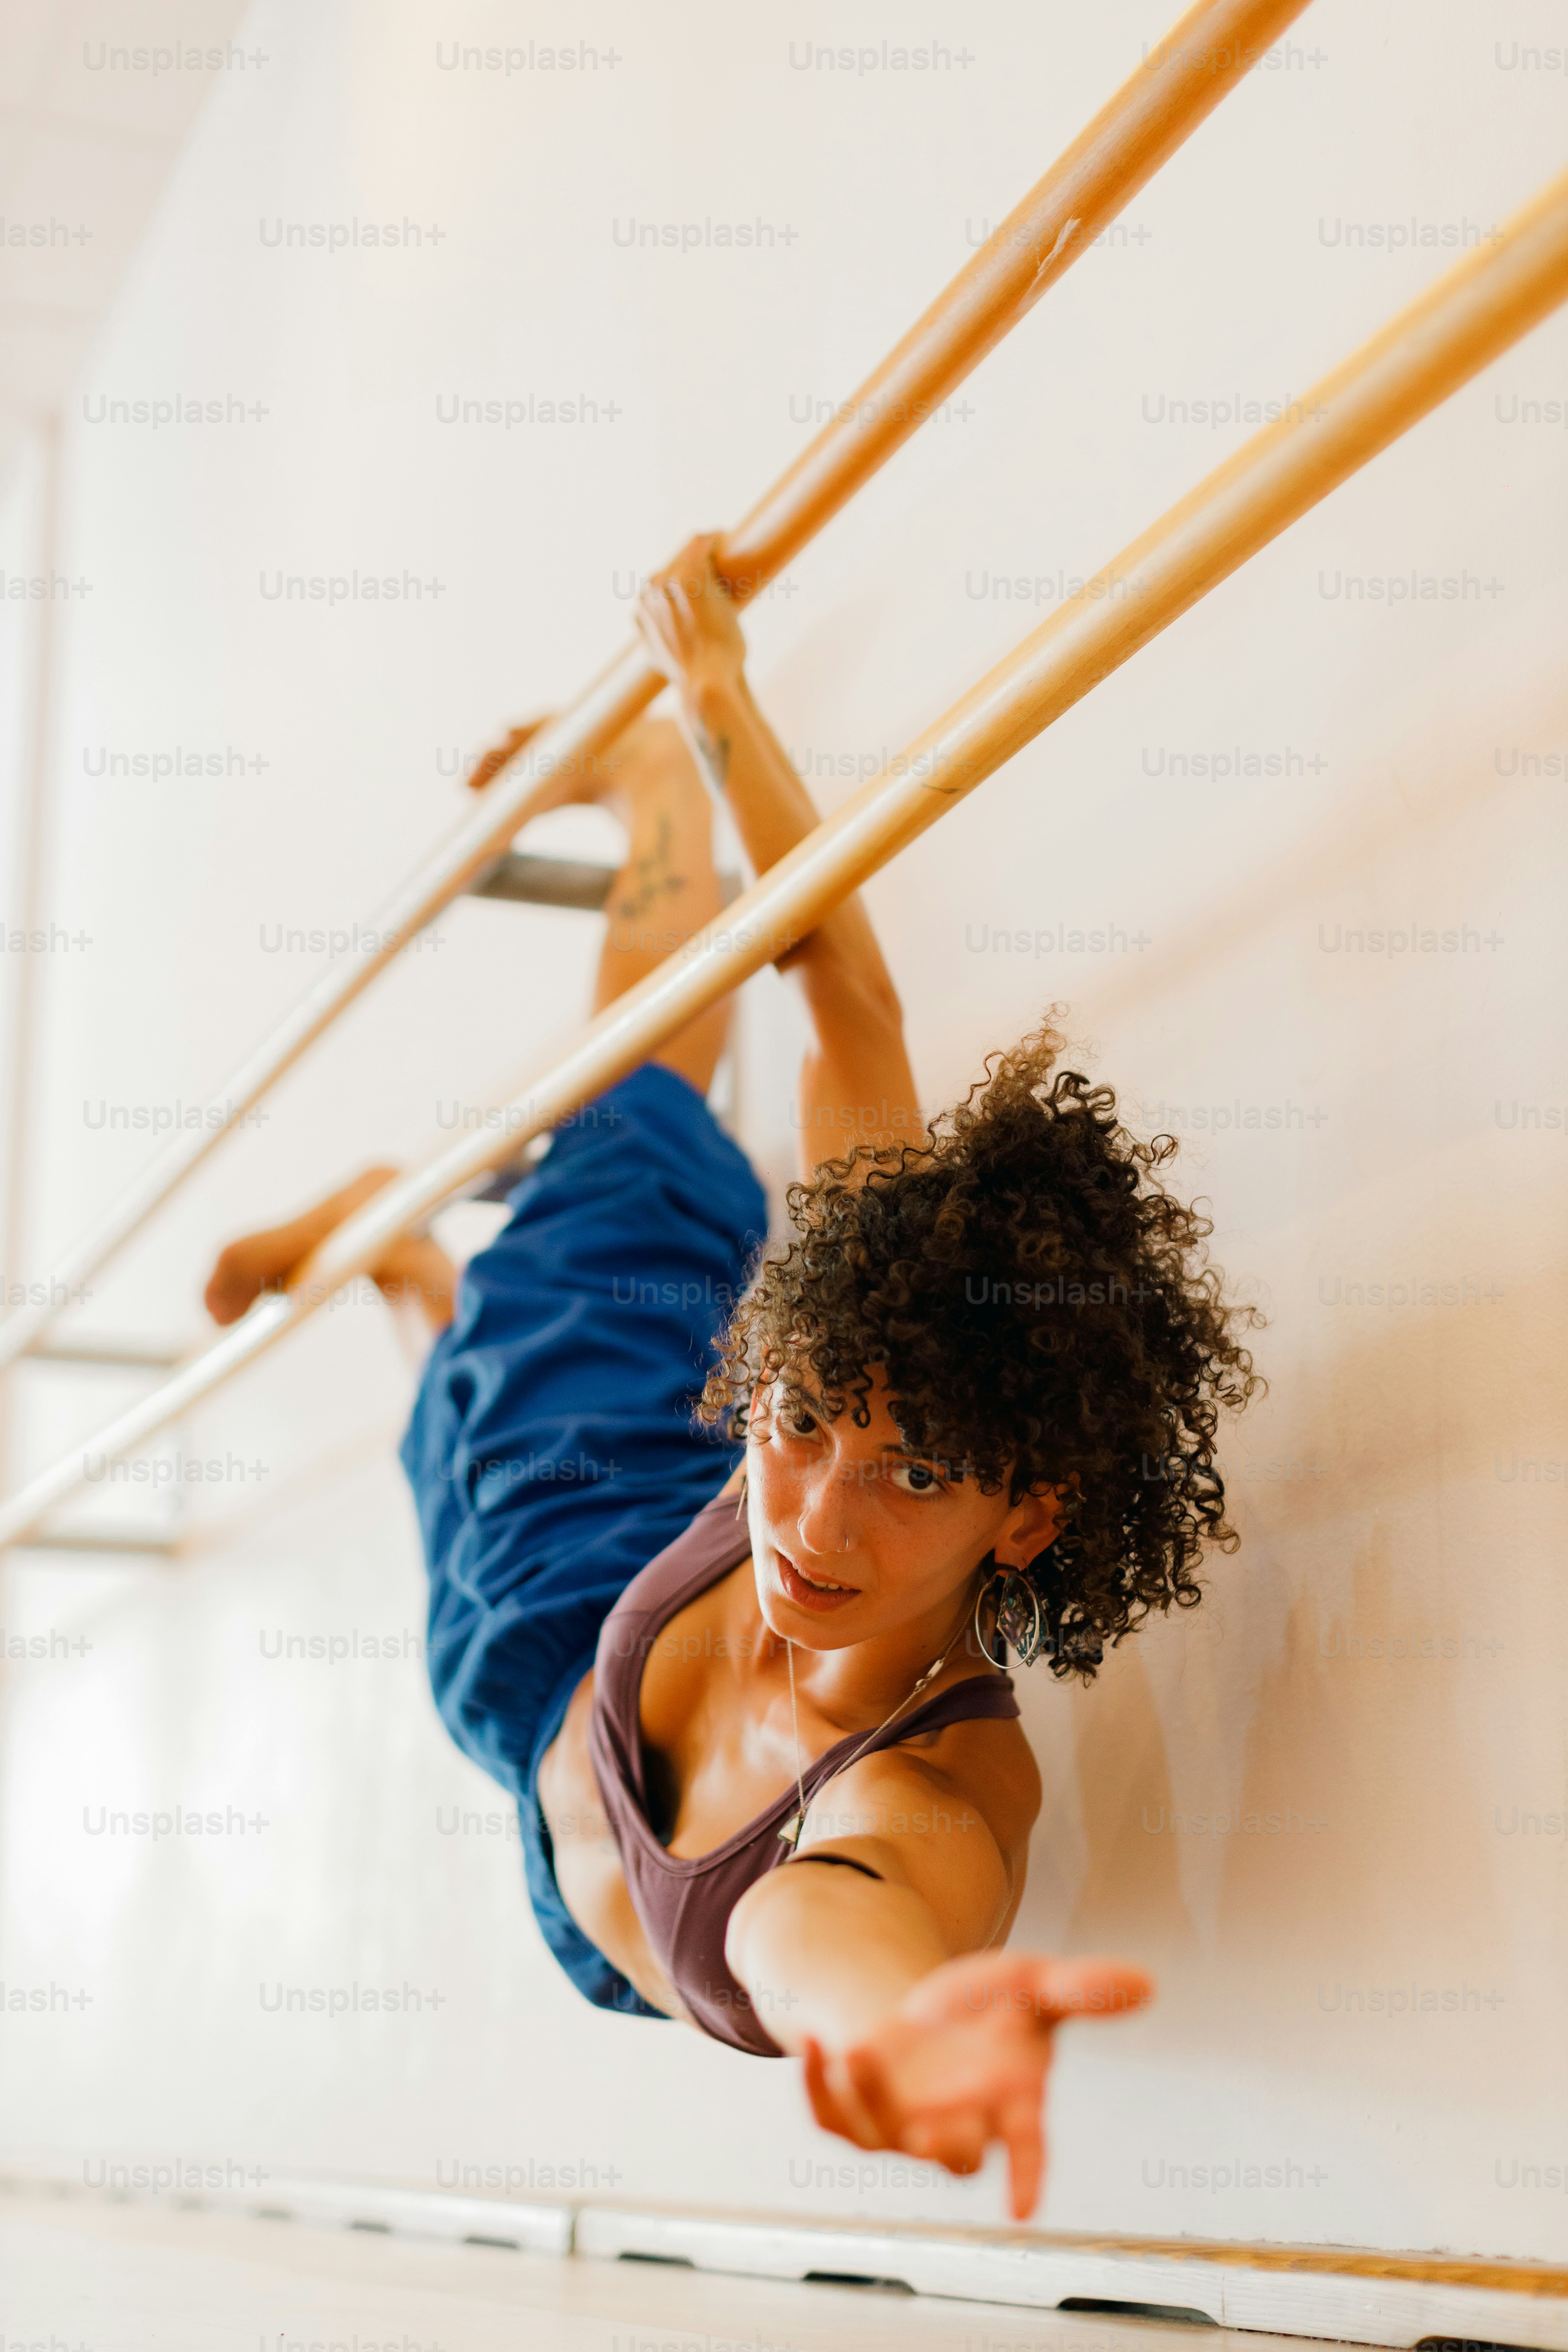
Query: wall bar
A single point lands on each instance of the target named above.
(1487, 302)
(572, 882)
(1207, 54)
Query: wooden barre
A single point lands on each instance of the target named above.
(1486, 303)
(1206, 55)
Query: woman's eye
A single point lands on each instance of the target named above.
(915, 1477)
(797, 1421)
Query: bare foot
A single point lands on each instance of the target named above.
(413, 1271)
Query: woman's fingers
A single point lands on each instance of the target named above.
(872, 2093)
(852, 2118)
(1021, 2128)
(652, 629)
(1027, 1987)
(956, 2139)
(955, 2136)
(695, 563)
(664, 617)
(679, 597)
(692, 576)
(1088, 1987)
(947, 2117)
(814, 2068)
(962, 2065)
(836, 2105)
(686, 612)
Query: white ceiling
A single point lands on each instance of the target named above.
(94, 111)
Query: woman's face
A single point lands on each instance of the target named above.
(854, 1535)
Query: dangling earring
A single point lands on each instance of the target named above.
(1018, 1621)
(741, 1497)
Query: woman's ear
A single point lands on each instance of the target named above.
(1031, 1527)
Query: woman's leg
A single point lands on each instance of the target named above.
(663, 892)
(416, 1276)
(666, 891)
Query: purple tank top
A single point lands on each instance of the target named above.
(684, 1901)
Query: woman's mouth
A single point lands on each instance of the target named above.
(821, 1593)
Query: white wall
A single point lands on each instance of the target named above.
(1378, 1670)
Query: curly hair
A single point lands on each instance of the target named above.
(1043, 1313)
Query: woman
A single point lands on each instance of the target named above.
(741, 1668)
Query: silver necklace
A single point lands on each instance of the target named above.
(790, 1833)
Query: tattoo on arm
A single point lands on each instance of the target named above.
(714, 750)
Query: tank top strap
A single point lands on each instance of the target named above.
(980, 1697)
(717, 1541)
(983, 1698)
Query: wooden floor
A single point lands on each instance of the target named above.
(1509, 2277)
(121, 2278)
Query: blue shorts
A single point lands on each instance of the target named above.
(552, 1451)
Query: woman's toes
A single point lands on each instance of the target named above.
(259, 1262)
(236, 1282)
(255, 1263)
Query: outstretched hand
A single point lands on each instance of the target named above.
(962, 2061)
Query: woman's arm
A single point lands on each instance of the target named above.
(856, 1083)
(913, 2036)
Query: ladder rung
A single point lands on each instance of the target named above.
(546, 881)
(123, 1354)
(561, 882)
(99, 1540)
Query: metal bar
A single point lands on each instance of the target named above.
(1206, 55)
(562, 882)
(545, 882)
(1493, 297)
(106, 1541)
(119, 1355)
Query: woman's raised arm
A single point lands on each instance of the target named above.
(856, 1083)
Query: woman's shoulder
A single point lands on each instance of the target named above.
(979, 1770)
(949, 1814)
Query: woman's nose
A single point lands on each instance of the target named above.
(826, 1516)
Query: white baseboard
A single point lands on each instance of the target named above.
(1345, 2295)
